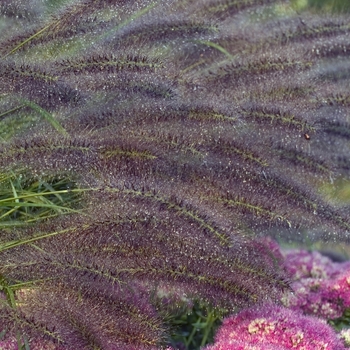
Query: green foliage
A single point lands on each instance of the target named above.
(330, 6)
(341, 6)
(342, 322)
(24, 200)
(196, 326)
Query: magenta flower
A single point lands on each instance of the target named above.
(8, 344)
(320, 286)
(339, 288)
(239, 345)
(272, 327)
(345, 336)
(304, 264)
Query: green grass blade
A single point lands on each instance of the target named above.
(77, 190)
(27, 40)
(12, 110)
(17, 243)
(215, 46)
(45, 114)
(15, 195)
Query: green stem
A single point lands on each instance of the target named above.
(190, 338)
(27, 40)
(12, 110)
(210, 321)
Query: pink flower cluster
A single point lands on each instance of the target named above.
(273, 327)
(321, 287)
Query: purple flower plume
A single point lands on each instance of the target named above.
(10, 343)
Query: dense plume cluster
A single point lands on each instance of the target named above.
(192, 129)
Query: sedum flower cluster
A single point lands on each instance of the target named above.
(275, 327)
(321, 286)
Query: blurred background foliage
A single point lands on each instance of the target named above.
(332, 6)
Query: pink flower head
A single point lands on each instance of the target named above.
(304, 264)
(272, 325)
(338, 289)
(321, 287)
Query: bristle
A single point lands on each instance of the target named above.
(109, 64)
(165, 31)
(288, 120)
